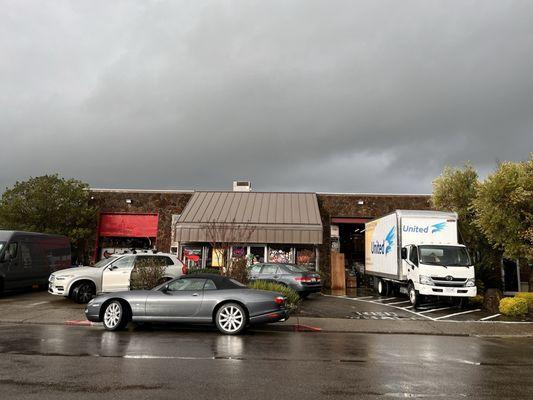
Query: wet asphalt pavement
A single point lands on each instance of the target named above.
(51, 361)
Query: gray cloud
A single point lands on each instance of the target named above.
(362, 96)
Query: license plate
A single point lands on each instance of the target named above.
(448, 290)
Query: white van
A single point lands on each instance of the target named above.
(113, 274)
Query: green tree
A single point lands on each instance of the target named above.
(50, 204)
(504, 210)
(456, 190)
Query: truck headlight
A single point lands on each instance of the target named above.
(470, 282)
(426, 280)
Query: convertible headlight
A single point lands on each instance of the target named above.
(426, 280)
(470, 282)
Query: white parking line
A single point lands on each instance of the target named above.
(459, 313)
(399, 302)
(435, 309)
(384, 304)
(38, 303)
(387, 299)
(492, 316)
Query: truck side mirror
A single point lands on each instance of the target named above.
(404, 253)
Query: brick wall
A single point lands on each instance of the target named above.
(163, 203)
(374, 206)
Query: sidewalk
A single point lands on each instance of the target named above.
(448, 328)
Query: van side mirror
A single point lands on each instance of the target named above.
(6, 256)
(404, 253)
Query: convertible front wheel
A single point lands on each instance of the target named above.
(230, 319)
(115, 317)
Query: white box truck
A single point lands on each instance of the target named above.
(417, 252)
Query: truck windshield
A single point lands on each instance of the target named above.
(448, 256)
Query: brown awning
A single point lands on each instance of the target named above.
(251, 217)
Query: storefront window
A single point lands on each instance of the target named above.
(306, 257)
(257, 254)
(238, 251)
(280, 254)
(192, 256)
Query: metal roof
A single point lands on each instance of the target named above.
(267, 217)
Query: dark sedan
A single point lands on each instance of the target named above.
(301, 280)
(196, 298)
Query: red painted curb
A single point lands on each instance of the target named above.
(79, 322)
(306, 328)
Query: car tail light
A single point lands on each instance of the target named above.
(304, 279)
(279, 300)
(184, 269)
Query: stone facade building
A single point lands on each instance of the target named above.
(148, 219)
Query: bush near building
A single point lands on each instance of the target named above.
(293, 299)
(513, 306)
(525, 295)
(147, 275)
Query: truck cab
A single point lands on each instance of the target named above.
(438, 270)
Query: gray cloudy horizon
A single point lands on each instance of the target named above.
(340, 96)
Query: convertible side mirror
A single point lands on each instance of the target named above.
(404, 253)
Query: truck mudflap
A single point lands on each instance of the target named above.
(447, 291)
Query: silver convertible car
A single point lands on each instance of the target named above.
(197, 298)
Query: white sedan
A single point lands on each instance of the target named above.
(81, 284)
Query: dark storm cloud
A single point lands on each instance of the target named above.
(361, 96)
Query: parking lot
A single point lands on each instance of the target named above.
(39, 307)
(365, 305)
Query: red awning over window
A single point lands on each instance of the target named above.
(129, 225)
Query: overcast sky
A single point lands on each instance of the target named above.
(347, 96)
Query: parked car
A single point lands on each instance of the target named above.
(81, 284)
(195, 298)
(300, 279)
(27, 258)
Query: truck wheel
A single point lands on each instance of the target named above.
(383, 287)
(414, 296)
(464, 303)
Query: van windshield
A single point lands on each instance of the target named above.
(2, 244)
(448, 256)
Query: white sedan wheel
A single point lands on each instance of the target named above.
(231, 319)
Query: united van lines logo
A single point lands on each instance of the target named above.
(435, 228)
(384, 247)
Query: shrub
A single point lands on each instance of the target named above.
(204, 271)
(525, 295)
(293, 299)
(513, 306)
(147, 274)
(477, 300)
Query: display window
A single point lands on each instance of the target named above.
(306, 257)
(192, 256)
(280, 254)
(238, 251)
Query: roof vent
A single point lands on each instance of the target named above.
(242, 186)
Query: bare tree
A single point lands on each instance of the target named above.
(222, 237)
